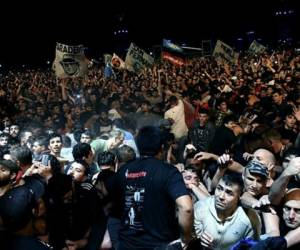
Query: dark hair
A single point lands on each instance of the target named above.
(203, 111)
(125, 154)
(54, 135)
(66, 141)
(87, 133)
(233, 178)
(42, 141)
(10, 165)
(5, 135)
(149, 140)
(22, 154)
(77, 134)
(81, 150)
(106, 158)
(173, 100)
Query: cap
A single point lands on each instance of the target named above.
(256, 167)
(292, 194)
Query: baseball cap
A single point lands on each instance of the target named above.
(256, 167)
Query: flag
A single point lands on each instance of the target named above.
(108, 71)
(70, 61)
(224, 51)
(173, 53)
(172, 46)
(256, 48)
(107, 58)
(117, 62)
(137, 59)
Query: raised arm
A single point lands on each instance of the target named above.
(279, 186)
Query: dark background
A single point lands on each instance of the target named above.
(29, 31)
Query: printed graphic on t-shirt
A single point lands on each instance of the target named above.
(134, 203)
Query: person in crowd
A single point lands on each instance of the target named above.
(137, 183)
(219, 220)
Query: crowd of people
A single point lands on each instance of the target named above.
(202, 156)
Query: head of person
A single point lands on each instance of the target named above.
(25, 136)
(190, 177)
(14, 130)
(266, 157)
(173, 101)
(125, 154)
(40, 110)
(255, 178)
(149, 141)
(145, 106)
(6, 121)
(288, 155)
(289, 119)
(4, 137)
(8, 172)
(277, 96)
(229, 121)
(19, 205)
(22, 156)
(272, 138)
(78, 171)
(39, 145)
(222, 106)
(106, 160)
(86, 137)
(203, 116)
(66, 141)
(83, 152)
(291, 208)
(228, 192)
(55, 143)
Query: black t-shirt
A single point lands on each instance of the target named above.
(146, 190)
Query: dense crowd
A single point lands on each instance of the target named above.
(79, 156)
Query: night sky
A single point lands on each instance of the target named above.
(24, 41)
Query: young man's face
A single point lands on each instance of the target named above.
(277, 99)
(85, 138)
(223, 107)
(77, 172)
(226, 197)
(291, 214)
(55, 145)
(190, 178)
(254, 184)
(14, 130)
(37, 148)
(5, 176)
(3, 141)
(290, 121)
(203, 118)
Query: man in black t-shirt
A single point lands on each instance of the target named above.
(147, 192)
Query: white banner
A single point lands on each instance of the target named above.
(70, 61)
(224, 51)
(137, 59)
